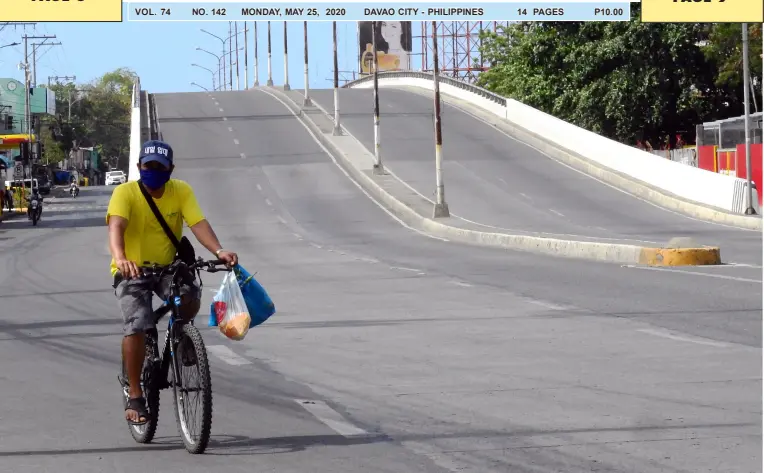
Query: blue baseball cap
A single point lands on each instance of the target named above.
(155, 150)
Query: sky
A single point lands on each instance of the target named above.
(162, 53)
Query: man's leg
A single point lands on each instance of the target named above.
(134, 297)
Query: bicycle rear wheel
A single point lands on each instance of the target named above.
(192, 387)
(145, 433)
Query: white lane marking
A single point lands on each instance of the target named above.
(556, 212)
(367, 260)
(334, 160)
(281, 219)
(739, 265)
(692, 273)
(548, 305)
(504, 229)
(268, 202)
(330, 417)
(220, 109)
(235, 141)
(413, 270)
(670, 336)
(296, 235)
(225, 119)
(259, 187)
(227, 355)
(525, 196)
(243, 156)
(230, 128)
(460, 284)
(315, 245)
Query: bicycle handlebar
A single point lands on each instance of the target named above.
(209, 266)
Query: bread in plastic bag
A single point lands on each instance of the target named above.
(230, 310)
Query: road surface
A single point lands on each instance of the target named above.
(419, 355)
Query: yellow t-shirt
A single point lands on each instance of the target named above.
(144, 238)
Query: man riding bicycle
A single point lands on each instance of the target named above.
(136, 238)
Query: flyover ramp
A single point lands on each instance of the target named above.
(505, 185)
(450, 357)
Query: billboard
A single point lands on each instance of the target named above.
(50, 107)
(393, 46)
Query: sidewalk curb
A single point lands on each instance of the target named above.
(596, 251)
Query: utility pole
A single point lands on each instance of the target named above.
(749, 210)
(286, 60)
(270, 70)
(337, 129)
(306, 102)
(230, 55)
(246, 60)
(441, 207)
(28, 108)
(378, 169)
(35, 47)
(257, 69)
(236, 35)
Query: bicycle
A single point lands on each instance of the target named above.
(184, 339)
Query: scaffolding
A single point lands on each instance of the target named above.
(459, 47)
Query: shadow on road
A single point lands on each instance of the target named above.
(221, 445)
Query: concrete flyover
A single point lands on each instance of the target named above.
(391, 351)
(497, 184)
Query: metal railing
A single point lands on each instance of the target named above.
(729, 133)
(487, 94)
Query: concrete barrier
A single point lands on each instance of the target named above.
(690, 190)
(135, 133)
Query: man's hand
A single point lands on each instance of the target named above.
(229, 257)
(128, 268)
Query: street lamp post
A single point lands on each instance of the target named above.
(221, 83)
(270, 69)
(441, 207)
(200, 86)
(223, 41)
(749, 210)
(337, 129)
(210, 71)
(378, 168)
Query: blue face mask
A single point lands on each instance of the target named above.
(154, 178)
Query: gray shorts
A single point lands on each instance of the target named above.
(134, 297)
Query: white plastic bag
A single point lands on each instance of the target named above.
(232, 314)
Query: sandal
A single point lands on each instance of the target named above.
(138, 404)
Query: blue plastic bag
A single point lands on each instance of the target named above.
(259, 303)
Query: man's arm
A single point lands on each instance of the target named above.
(117, 227)
(206, 236)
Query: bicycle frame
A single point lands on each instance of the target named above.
(171, 305)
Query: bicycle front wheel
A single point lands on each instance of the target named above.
(193, 390)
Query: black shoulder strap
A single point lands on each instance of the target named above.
(159, 217)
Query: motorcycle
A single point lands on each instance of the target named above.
(74, 191)
(35, 210)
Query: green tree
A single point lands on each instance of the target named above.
(101, 117)
(54, 153)
(628, 81)
(724, 50)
